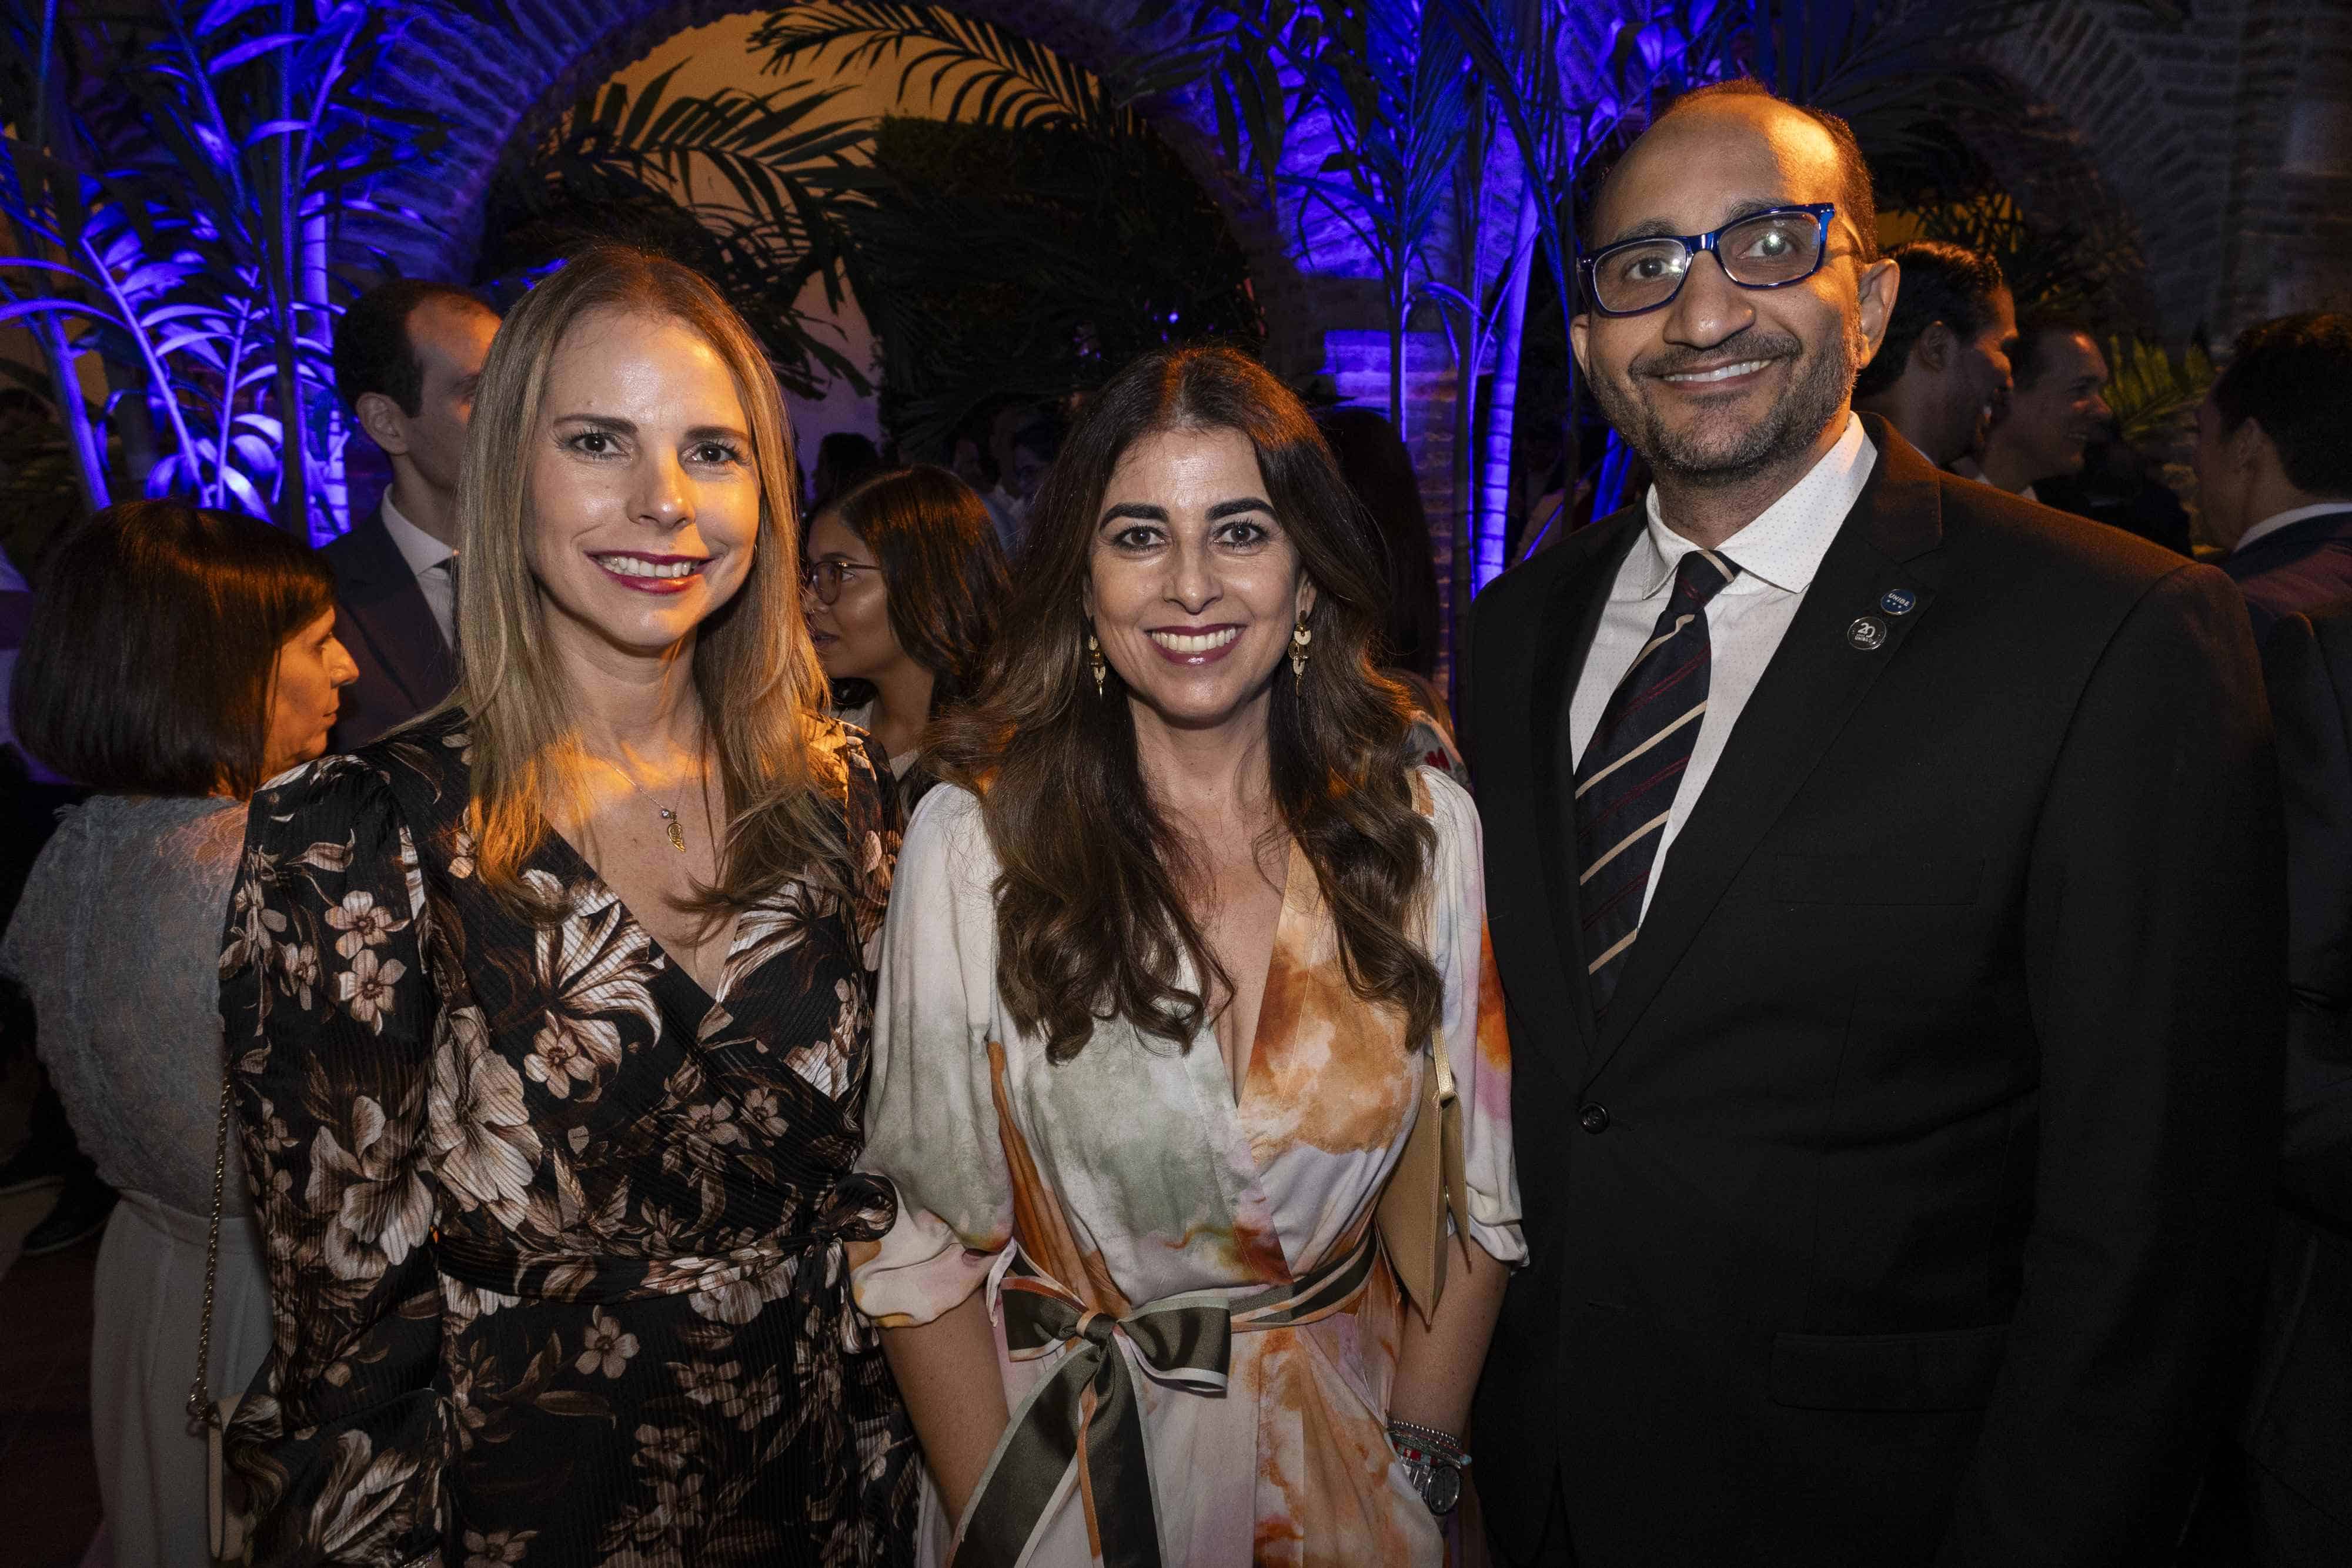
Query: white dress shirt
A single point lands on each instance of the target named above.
(431, 562)
(2288, 518)
(1778, 555)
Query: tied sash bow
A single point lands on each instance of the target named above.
(1088, 1414)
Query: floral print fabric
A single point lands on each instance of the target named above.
(1133, 1173)
(556, 1239)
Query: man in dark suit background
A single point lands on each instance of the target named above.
(2053, 413)
(1942, 371)
(1885, 881)
(408, 355)
(2282, 1497)
(2274, 464)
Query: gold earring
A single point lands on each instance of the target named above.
(1299, 637)
(1096, 662)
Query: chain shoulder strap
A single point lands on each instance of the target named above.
(202, 1413)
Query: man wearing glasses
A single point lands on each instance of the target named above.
(1885, 878)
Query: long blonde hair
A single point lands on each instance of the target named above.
(755, 673)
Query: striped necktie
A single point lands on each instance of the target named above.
(1626, 779)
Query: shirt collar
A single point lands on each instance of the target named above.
(420, 549)
(2278, 520)
(1783, 547)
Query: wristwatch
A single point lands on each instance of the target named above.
(1433, 1462)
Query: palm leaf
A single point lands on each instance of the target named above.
(2149, 387)
(745, 187)
(1008, 81)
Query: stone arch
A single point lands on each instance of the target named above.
(2161, 151)
(2228, 137)
(494, 88)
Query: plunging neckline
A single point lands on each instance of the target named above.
(711, 998)
(1238, 1088)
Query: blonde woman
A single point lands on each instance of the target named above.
(551, 1013)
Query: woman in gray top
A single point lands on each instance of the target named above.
(176, 659)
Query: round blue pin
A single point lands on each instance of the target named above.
(1898, 601)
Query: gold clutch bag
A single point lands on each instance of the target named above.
(1427, 1184)
(1425, 1188)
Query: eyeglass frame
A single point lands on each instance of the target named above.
(840, 571)
(1822, 212)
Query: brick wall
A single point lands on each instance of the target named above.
(2289, 214)
(2227, 138)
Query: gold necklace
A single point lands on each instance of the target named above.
(673, 826)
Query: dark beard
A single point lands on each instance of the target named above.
(1788, 429)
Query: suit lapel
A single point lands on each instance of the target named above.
(1538, 950)
(1820, 674)
(380, 597)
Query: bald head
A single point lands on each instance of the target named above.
(1701, 121)
(1733, 390)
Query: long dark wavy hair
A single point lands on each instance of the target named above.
(944, 578)
(1091, 923)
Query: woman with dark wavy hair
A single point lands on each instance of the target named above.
(1161, 979)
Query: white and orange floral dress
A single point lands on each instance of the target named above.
(1130, 1184)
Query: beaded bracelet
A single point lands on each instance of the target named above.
(1442, 1445)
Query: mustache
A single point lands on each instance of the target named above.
(1747, 345)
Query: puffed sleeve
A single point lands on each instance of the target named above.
(1477, 1047)
(931, 1112)
(341, 1442)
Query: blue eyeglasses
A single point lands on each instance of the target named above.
(1763, 250)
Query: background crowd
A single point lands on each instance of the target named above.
(171, 660)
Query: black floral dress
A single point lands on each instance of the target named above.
(556, 1240)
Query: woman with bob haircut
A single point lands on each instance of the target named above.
(551, 1013)
(903, 586)
(1164, 977)
(176, 659)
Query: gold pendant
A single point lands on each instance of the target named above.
(677, 831)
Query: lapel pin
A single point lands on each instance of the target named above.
(1868, 634)
(1898, 601)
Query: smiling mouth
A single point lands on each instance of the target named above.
(1720, 373)
(651, 574)
(1196, 641)
(650, 566)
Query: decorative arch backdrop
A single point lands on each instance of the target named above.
(2221, 137)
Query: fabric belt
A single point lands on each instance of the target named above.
(858, 1207)
(1088, 1412)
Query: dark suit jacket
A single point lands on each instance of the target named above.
(382, 618)
(2297, 1433)
(1907, 1204)
(2302, 567)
